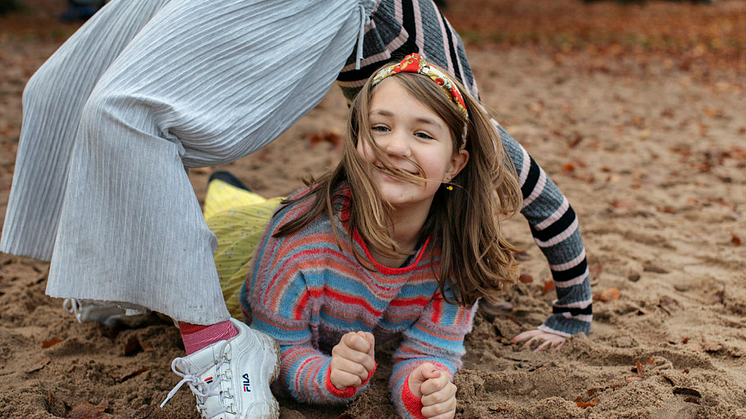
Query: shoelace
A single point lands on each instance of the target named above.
(201, 389)
(73, 306)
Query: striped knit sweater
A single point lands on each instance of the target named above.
(307, 292)
(400, 27)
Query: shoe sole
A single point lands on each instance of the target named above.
(271, 349)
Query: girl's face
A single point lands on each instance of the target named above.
(407, 131)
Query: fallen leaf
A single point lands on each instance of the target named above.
(86, 410)
(686, 391)
(40, 364)
(735, 239)
(640, 369)
(51, 342)
(666, 210)
(666, 301)
(568, 167)
(584, 405)
(526, 279)
(56, 406)
(685, 340)
(548, 286)
(132, 374)
(497, 409)
(622, 205)
(606, 296)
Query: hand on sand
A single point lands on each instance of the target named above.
(352, 359)
(436, 391)
(544, 339)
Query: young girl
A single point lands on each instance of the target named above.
(400, 240)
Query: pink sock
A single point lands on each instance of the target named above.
(196, 336)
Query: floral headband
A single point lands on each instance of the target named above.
(415, 63)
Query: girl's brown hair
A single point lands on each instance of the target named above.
(463, 223)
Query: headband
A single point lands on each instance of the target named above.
(415, 63)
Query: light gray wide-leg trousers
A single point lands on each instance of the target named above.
(141, 91)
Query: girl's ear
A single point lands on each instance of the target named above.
(458, 162)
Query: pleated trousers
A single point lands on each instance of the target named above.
(142, 91)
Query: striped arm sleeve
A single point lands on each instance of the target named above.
(556, 231)
(278, 305)
(436, 337)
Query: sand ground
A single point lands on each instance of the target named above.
(635, 111)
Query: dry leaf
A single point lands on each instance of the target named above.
(497, 409)
(526, 279)
(88, 411)
(51, 342)
(666, 210)
(548, 286)
(735, 239)
(606, 296)
(686, 391)
(132, 374)
(640, 369)
(666, 301)
(40, 364)
(622, 205)
(584, 405)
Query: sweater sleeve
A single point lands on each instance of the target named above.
(556, 231)
(279, 306)
(436, 337)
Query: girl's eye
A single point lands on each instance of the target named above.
(380, 128)
(424, 135)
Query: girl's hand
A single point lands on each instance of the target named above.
(545, 339)
(436, 391)
(352, 359)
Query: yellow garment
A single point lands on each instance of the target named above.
(238, 218)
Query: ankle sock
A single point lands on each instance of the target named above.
(197, 336)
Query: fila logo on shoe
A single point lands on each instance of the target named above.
(246, 383)
(208, 380)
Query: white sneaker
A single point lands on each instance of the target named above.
(231, 378)
(109, 314)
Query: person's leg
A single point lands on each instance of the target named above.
(52, 104)
(204, 83)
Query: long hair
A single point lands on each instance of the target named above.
(463, 223)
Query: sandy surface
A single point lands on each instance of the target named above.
(646, 141)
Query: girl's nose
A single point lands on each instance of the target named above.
(397, 145)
